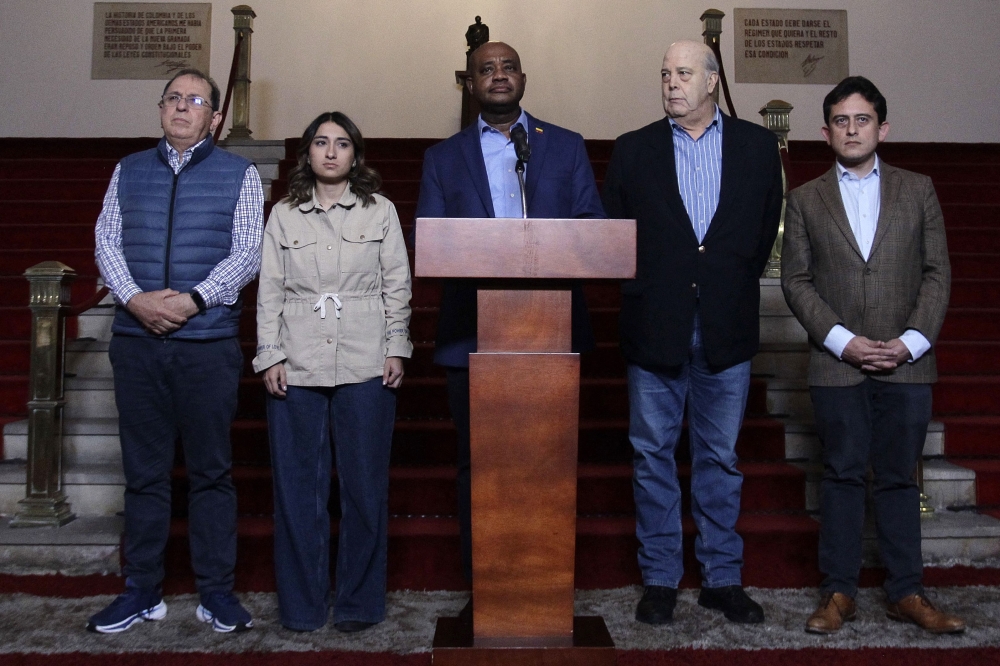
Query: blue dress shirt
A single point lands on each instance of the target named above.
(500, 158)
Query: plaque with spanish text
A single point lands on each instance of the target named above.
(146, 40)
(790, 45)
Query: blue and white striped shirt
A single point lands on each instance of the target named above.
(699, 172)
(227, 279)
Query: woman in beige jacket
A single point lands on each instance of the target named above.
(333, 313)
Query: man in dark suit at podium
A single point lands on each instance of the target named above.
(706, 192)
(472, 174)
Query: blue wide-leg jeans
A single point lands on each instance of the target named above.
(715, 405)
(360, 419)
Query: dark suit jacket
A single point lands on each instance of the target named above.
(904, 284)
(560, 184)
(674, 275)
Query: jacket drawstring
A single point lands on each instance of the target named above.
(321, 305)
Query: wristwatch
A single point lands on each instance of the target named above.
(198, 301)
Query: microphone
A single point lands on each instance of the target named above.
(520, 138)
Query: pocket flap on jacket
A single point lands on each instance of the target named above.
(363, 233)
(296, 238)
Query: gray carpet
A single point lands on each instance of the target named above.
(46, 625)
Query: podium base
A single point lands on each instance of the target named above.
(592, 646)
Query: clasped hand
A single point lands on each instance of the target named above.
(875, 355)
(161, 312)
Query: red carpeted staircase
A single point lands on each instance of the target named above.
(50, 195)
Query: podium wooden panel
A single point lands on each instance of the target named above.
(524, 387)
(532, 248)
(524, 413)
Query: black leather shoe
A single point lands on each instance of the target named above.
(733, 602)
(657, 605)
(352, 626)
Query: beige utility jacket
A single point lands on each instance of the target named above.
(334, 295)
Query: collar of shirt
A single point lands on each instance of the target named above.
(843, 173)
(714, 126)
(178, 160)
(522, 120)
(347, 200)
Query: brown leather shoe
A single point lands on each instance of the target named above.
(834, 609)
(919, 610)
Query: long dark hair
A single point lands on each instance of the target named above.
(363, 180)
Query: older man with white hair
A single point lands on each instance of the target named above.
(706, 192)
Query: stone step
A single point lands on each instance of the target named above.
(86, 357)
(84, 441)
(87, 545)
(802, 442)
(90, 398)
(956, 538)
(947, 485)
(777, 324)
(781, 360)
(789, 399)
(92, 489)
(95, 323)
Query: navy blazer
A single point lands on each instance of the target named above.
(675, 275)
(560, 184)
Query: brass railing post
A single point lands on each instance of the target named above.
(777, 118)
(926, 507)
(44, 504)
(243, 17)
(711, 24)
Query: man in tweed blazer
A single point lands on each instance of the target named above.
(865, 270)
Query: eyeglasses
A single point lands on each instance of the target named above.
(173, 99)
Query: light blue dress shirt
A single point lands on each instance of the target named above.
(699, 172)
(500, 158)
(862, 198)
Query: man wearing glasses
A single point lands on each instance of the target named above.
(178, 238)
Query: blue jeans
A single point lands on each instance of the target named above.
(715, 402)
(885, 425)
(165, 389)
(360, 418)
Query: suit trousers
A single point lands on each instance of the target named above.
(882, 424)
(360, 418)
(167, 388)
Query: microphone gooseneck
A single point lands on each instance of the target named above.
(520, 138)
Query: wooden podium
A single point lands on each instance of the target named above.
(524, 412)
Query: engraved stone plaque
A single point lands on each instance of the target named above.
(790, 45)
(146, 40)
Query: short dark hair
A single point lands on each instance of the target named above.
(855, 85)
(198, 74)
(363, 180)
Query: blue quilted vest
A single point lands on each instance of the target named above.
(177, 228)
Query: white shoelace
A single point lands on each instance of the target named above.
(321, 305)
